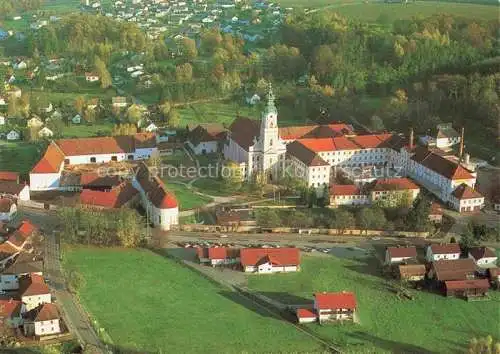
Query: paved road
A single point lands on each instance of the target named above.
(74, 315)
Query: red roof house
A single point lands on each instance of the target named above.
(218, 255)
(9, 176)
(270, 260)
(396, 255)
(335, 306)
(11, 312)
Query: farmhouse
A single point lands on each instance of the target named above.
(206, 138)
(348, 194)
(25, 263)
(458, 269)
(396, 255)
(45, 133)
(436, 213)
(119, 196)
(42, 320)
(483, 256)
(437, 252)
(33, 291)
(270, 260)
(335, 306)
(446, 136)
(46, 174)
(11, 313)
(466, 199)
(388, 188)
(19, 237)
(467, 288)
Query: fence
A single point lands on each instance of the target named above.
(37, 205)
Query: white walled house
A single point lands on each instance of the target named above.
(305, 164)
(91, 77)
(347, 195)
(33, 291)
(466, 199)
(13, 135)
(339, 306)
(217, 256)
(483, 256)
(446, 136)
(23, 265)
(206, 138)
(388, 188)
(42, 320)
(440, 252)
(397, 255)
(270, 260)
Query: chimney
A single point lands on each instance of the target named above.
(411, 139)
(461, 151)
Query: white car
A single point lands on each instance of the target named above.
(223, 236)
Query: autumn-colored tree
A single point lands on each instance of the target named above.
(184, 73)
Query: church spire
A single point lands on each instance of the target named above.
(270, 107)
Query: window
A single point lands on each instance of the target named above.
(92, 159)
(66, 161)
(130, 157)
(114, 158)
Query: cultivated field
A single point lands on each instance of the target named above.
(430, 323)
(149, 303)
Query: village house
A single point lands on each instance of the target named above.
(458, 269)
(437, 252)
(349, 194)
(412, 272)
(91, 77)
(466, 199)
(18, 238)
(8, 209)
(483, 256)
(395, 188)
(396, 255)
(42, 320)
(119, 196)
(436, 213)
(77, 119)
(33, 291)
(446, 136)
(24, 264)
(11, 313)
(270, 260)
(13, 135)
(119, 102)
(14, 190)
(45, 133)
(206, 138)
(2, 120)
(217, 255)
(339, 306)
(467, 288)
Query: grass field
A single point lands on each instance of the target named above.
(84, 130)
(186, 198)
(152, 304)
(19, 156)
(220, 112)
(430, 323)
(212, 186)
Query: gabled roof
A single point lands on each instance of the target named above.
(10, 308)
(114, 198)
(315, 131)
(155, 188)
(92, 179)
(282, 256)
(482, 252)
(11, 187)
(304, 154)
(25, 263)
(51, 160)
(440, 164)
(318, 144)
(401, 252)
(408, 270)
(341, 300)
(96, 145)
(200, 134)
(344, 189)
(390, 184)
(217, 253)
(453, 269)
(32, 284)
(244, 130)
(463, 191)
(43, 312)
(19, 237)
(305, 313)
(343, 143)
(450, 248)
(9, 176)
(7, 250)
(467, 284)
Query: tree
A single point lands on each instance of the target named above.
(128, 227)
(267, 218)
(322, 61)
(188, 48)
(12, 108)
(184, 73)
(165, 108)
(89, 115)
(102, 71)
(418, 217)
(79, 104)
(134, 114)
(342, 220)
(370, 218)
(173, 118)
(75, 281)
(376, 123)
(484, 345)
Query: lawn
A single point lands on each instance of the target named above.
(84, 130)
(19, 156)
(430, 323)
(149, 303)
(215, 112)
(212, 186)
(186, 198)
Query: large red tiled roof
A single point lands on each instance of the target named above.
(467, 284)
(93, 179)
(43, 312)
(370, 141)
(27, 228)
(343, 143)
(304, 154)
(155, 189)
(207, 133)
(305, 313)
(463, 191)
(243, 131)
(314, 131)
(97, 145)
(481, 252)
(344, 189)
(450, 248)
(217, 253)
(114, 198)
(387, 184)
(340, 300)
(457, 269)
(400, 252)
(32, 284)
(19, 237)
(440, 164)
(318, 144)
(10, 308)
(9, 176)
(51, 160)
(281, 256)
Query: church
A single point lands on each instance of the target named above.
(257, 148)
